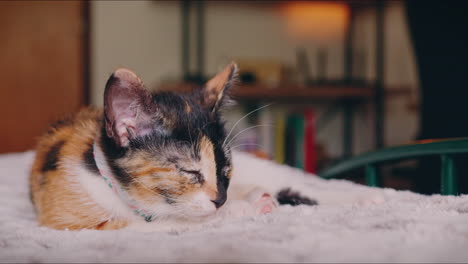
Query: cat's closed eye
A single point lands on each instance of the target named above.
(196, 174)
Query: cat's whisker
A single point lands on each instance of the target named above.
(207, 123)
(259, 147)
(154, 192)
(244, 130)
(246, 115)
(144, 133)
(247, 144)
(176, 200)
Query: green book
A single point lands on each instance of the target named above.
(295, 140)
(299, 140)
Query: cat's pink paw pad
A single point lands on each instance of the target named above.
(265, 204)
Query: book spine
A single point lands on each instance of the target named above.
(290, 140)
(280, 128)
(267, 132)
(299, 138)
(310, 148)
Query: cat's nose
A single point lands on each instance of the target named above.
(219, 201)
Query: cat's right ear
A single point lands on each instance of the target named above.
(126, 103)
(215, 93)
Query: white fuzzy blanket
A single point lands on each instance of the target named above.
(352, 224)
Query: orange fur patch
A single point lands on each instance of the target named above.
(212, 193)
(215, 86)
(58, 204)
(208, 163)
(150, 171)
(111, 225)
(188, 109)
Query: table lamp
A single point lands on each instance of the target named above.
(316, 22)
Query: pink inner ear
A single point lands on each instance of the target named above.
(128, 78)
(125, 118)
(125, 100)
(214, 88)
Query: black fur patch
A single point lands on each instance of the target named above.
(89, 161)
(222, 180)
(287, 196)
(113, 152)
(51, 158)
(167, 197)
(172, 125)
(182, 127)
(216, 133)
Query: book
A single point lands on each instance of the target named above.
(266, 130)
(280, 135)
(310, 148)
(299, 140)
(294, 139)
(290, 141)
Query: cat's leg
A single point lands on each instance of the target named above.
(112, 225)
(260, 200)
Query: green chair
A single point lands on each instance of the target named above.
(446, 149)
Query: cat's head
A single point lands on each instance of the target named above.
(167, 149)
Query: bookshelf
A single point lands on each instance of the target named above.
(343, 99)
(287, 92)
(303, 93)
(344, 96)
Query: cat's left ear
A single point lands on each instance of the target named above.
(127, 107)
(216, 91)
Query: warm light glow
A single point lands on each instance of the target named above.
(320, 21)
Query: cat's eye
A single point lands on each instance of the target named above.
(195, 173)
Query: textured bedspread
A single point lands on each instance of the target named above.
(353, 223)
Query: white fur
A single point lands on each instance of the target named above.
(244, 195)
(98, 190)
(200, 205)
(195, 209)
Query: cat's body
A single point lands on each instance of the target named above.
(66, 190)
(144, 158)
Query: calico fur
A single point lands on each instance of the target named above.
(144, 157)
(163, 149)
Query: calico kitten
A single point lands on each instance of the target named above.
(144, 157)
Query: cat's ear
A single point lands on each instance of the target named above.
(126, 104)
(216, 91)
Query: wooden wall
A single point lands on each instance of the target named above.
(43, 61)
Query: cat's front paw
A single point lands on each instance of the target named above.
(265, 204)
(262, 202)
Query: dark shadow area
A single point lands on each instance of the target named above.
(438, 31)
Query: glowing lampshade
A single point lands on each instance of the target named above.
(318, 21)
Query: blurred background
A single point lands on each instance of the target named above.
(330, 79)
